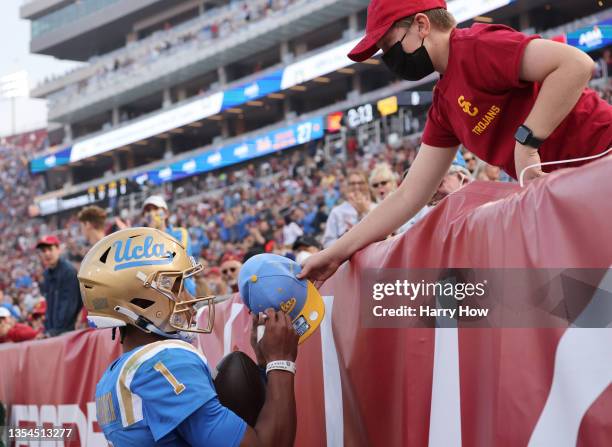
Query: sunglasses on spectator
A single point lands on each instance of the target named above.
(381, 183)
(469, 158)
(229, 269)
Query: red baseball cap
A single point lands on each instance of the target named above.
(213, 271)
(40, 308)
(48, 240)
(382, 14)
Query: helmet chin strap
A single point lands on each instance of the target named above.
(144, 324)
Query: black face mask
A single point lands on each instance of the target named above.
(410, 66)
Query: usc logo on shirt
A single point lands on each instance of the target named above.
(487, 119)
(467, 106)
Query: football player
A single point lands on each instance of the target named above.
(160, 390)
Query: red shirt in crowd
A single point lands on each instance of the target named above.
(480, 102)
(20, 332)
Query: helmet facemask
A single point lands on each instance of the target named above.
(185, 307)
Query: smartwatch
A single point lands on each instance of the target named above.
(524, 135)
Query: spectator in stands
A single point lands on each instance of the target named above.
(261, 232)
(11, 331)
(344, 216)
(120, 222)
(487, 172)
(211, 283)
(36, 318)
(60, 288)
(470, 161)
(493, 173)
(6, 301)
(304, 247)
(456, 178)
(331, 194)
(92, 220)
(291, 230)
(382, 181)
(156, 215)
(230, 268)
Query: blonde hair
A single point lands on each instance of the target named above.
(382, 170)
(440, 18)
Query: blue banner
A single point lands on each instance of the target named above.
(47, 162)
(592, 37)
(252, 90)
(265, 144)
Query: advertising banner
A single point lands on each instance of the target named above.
(47, 162)
(148, 127)
(592, 37)
(252, 90)
(103, 192)
(276, 140)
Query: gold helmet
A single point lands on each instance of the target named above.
(136, 276)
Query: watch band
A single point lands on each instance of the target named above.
(524, 135)
(281, 365)
(534, 142)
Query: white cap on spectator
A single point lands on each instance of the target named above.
(157, 201)
(4, 312)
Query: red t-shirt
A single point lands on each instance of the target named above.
(480, 102)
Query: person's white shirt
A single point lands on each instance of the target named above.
(341, 219)
(291, 232)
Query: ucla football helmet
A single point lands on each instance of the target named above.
(136, 276)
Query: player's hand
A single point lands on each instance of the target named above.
(526, 156)
(258, 320)
(280, 339)
(320, 266)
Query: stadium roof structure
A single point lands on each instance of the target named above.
(186, 65)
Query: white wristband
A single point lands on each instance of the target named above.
(281, 365)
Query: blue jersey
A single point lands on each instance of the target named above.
(162, 394)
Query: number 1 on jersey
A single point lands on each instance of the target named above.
(178, 386)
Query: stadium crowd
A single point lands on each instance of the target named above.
(280, 205)
(292, 203)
